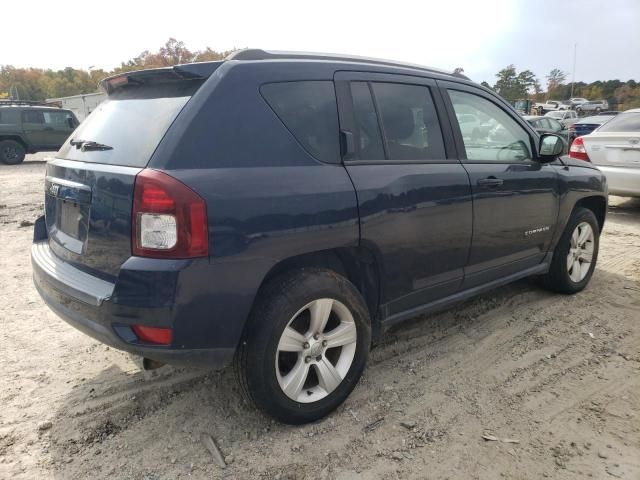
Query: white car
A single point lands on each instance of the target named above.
(566, 117)
(615, 149)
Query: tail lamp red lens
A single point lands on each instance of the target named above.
(169, 219)
(578, 151)
(155, 335)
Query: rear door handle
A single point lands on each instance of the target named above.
(490, 182)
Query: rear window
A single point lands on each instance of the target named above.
(308, 109)
(132, 121)
(624, 122)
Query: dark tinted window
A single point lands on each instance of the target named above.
(309, 111)
(367, 135)
(623, 122)
(132, 121)
(32, 116)
(411, 127)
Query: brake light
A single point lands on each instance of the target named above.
(578, 151)
(169, 220)
(159, 336)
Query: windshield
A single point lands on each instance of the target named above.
(624, 122)
(128, 126)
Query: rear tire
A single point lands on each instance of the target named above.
(281, 339)
(11, 152)
(575, 256)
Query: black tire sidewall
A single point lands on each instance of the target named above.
(269, 320)
(19, 149)
(562, 251)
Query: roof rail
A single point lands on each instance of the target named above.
(21, 102)
(258, 54)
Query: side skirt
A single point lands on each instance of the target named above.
(445, 302)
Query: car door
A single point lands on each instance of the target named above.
(60, 124)
(515, 197)
(414, 196)
(34, 128)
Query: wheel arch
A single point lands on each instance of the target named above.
(16, 138)
(597, 204)
(356, 264)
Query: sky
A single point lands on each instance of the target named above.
(481, 36)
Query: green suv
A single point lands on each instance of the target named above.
(28, 128)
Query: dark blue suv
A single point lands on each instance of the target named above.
(284, 210)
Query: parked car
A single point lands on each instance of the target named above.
(615, 149)
(593, 106)
(550, 125)
(286, 210)
(551, 105)
(586, 125)
(574, 102)
(566, 117)
(27, 128)
(468, 124)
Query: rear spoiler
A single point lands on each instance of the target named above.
(189, 71)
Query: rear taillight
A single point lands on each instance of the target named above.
(169, 219)
(578, 151)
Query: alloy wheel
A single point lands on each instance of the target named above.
(316, 350)
(580, 252)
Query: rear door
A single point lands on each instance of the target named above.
(515, 198)
(413, 195)
(35, 129)
(59, 124)
(89, 186)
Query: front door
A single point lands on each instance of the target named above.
(413, 194)
(515, 197)
(47, 129)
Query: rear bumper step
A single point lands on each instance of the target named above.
(68, 279)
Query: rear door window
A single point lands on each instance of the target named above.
(410, 124)
(309, 111)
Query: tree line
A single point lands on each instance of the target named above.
(38, 84)
(513, 85)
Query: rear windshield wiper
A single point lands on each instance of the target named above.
(86, 145)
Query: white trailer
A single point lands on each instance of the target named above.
(81, 105)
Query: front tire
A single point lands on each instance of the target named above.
(11, 152)
(305, 345)
(575, 256)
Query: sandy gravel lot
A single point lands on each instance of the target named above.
(556, 379)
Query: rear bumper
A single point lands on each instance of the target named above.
(622, 181)
(147, 292)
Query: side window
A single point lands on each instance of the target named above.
(32, 116)
(544, 123)
(498, 138)
(410, 123)
(57, 118)
(309, 110)
(367, 135)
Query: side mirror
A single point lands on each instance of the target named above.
(551, 147)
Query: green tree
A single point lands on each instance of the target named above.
(514, 86)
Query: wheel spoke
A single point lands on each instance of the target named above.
(320, 311)
(584, 234)
(291, 341)
(569, 262)
(574, 238)
(575, 271)
(585, 256)
(328, 376)
(343, 334)
(293, 382)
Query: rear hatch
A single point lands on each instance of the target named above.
(616, 143)
(89, 185)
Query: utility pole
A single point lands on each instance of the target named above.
(573, 73)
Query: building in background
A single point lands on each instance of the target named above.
(81, 105)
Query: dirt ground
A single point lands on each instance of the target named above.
(552, 381)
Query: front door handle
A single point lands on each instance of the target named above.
(490, 182)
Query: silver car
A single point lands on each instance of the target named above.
(615, 149)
